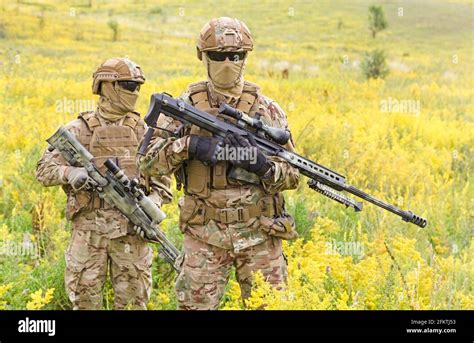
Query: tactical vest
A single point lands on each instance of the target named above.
(117, 141)
(199, 178)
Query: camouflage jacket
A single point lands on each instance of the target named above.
(169, 154)
(51, 168)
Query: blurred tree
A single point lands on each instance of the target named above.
(374, 66)
(377, 21)
(114, 26)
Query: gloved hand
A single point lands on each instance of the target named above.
(80, 180)
(141, 233)
(204, 149)
(258, 165)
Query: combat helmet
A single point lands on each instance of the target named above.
(224, 34)
(117, 69)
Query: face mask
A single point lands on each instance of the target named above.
(226, 76)
(115, 101)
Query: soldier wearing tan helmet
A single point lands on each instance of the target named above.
(233, 212)
(103, 241)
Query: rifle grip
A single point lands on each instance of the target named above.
(146, 141)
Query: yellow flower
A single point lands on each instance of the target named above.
(163, 298)
(234, 301)
(38, 300)
(3, 290)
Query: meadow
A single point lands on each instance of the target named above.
(308, 58)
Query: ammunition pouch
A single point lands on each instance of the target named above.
(282, 226)
(76, 202)
(197, 178)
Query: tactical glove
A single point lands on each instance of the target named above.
(140, 232)
(80, 180)
(204, 149)
(258, 165)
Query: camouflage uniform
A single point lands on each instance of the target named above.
(229, 217)
(102, 237)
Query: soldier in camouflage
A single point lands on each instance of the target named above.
(233, 212)
(102, 239)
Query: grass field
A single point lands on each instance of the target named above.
(421, 158)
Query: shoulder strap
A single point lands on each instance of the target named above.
(251, 87)
(131, 120)
(197, 87)
(198, 94)
(90, 119)
(249, 95)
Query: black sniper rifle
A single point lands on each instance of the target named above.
(321, 179)
(117, 190)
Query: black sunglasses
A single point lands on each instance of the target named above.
(129, 85)
(221, 56)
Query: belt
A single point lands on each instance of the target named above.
(240, 214)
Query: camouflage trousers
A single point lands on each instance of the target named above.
(91, 255)
(205, 271)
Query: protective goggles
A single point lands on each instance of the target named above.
(131, 86)
(221, 55)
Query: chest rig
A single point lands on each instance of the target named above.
(199, 179)
(117, 141)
